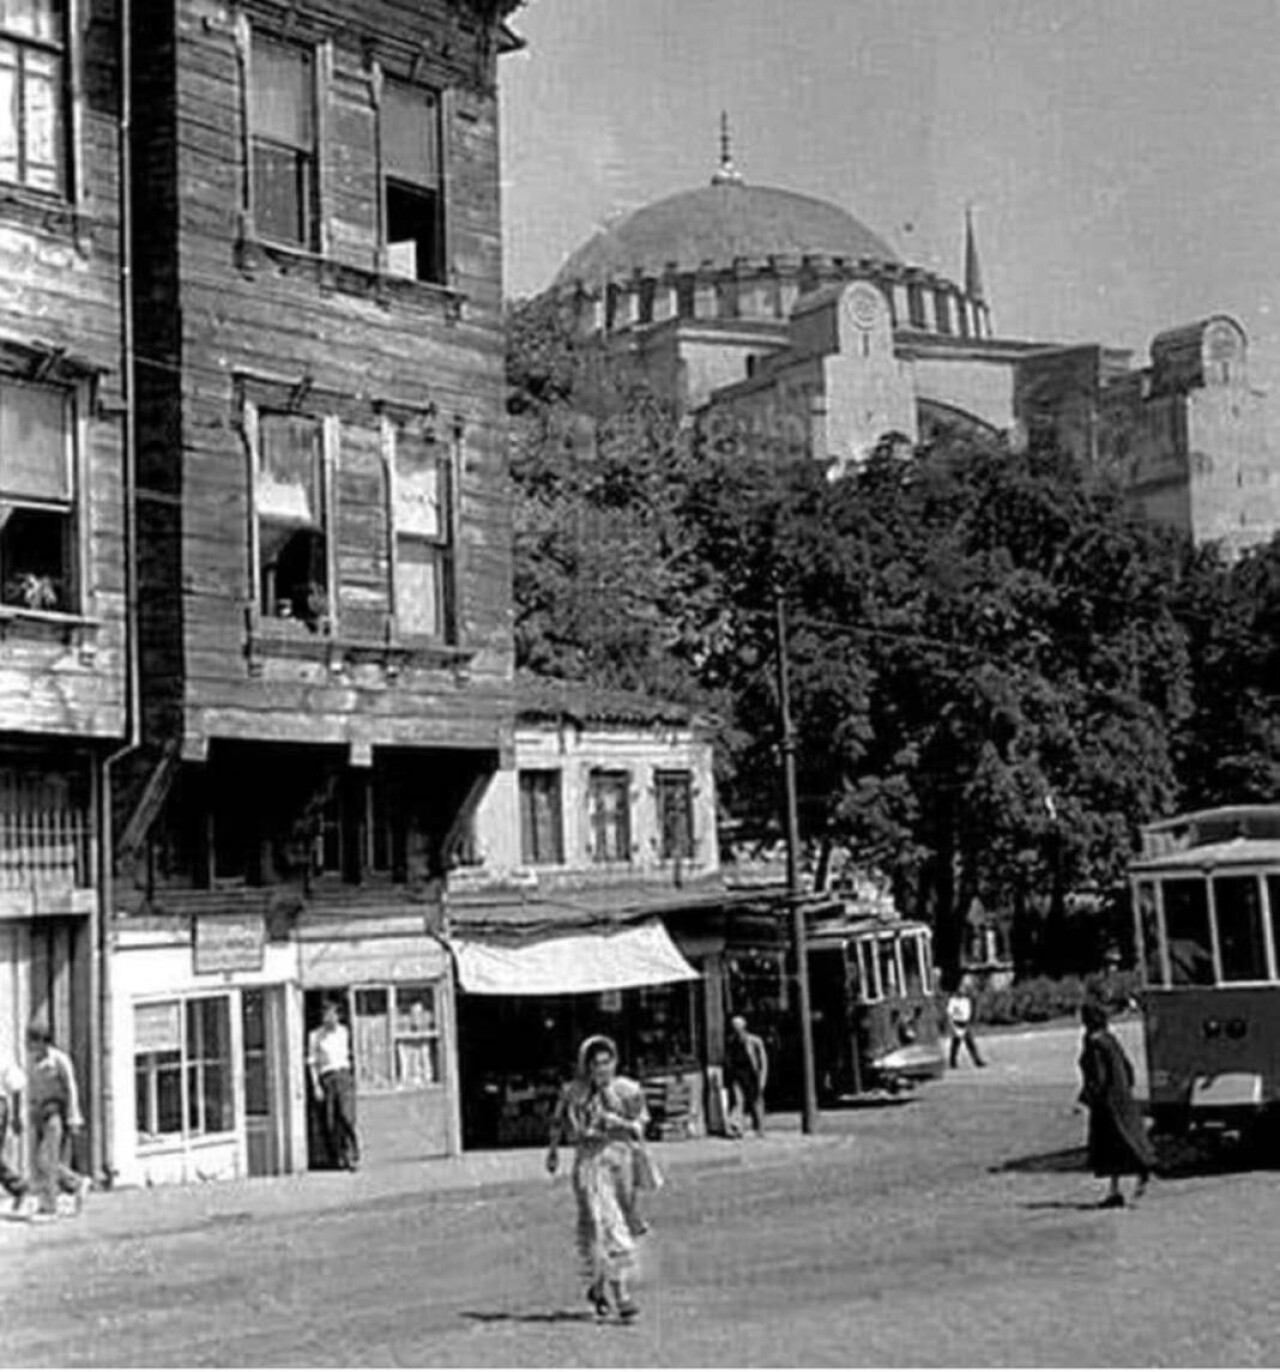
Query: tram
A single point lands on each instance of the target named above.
(1206, 901)
(875, 1012)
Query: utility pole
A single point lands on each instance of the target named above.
(791, 813)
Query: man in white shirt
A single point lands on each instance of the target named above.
(960, 1014)
(334, 1087)
(53, 1110)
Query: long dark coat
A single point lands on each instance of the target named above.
(1118, 1143)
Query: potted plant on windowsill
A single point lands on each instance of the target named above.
(32, 591)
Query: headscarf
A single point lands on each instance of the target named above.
(590, 1047)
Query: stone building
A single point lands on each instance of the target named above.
(778, 320)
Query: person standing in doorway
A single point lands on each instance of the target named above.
(746, 1075)
(960, 1016)
(333, 1086)
(54, 1116)
(13, 1083)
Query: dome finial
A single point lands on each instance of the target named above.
(726, 174)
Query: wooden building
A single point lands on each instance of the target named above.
(324, 619)
(62, 469)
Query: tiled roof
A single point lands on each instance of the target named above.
(547, 698)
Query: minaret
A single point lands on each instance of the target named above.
(726, 174)
(972, 267)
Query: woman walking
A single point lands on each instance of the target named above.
(1118, 1143)
(603, 1116)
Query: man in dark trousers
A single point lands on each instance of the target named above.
(334, 1087)
(746, 1075)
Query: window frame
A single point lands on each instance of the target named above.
(252, 413)
(318, 55)
(444, 546)
(443, 276)
(665, 780)
(147, 1141)
(78, 602)
(530, 829)
(67, 53)
(598, 779)
(435, 1035)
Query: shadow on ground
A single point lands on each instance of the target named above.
(1177, 1159)
(530, 1317)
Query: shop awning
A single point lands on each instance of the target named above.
(604, 959)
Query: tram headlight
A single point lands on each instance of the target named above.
(1237, 1029)
(1212, 1029)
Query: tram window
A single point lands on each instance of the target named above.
(913, 965)
(1186, 922)
(889, 978)
(868, 969)
(1242, 945)
(853, 972)
(1149, 932)
(1273, 898)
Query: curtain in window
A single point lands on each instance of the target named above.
(33, 442)
(421, 487)
(289, 470)
(282, 98)
(410, 135)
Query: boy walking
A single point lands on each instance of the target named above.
(960, 1013)
(53, 1111)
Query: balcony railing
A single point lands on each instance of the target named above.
(42, 848)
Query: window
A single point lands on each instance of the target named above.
(889, 979)
(913, 968)
(1186, 922)
(291, 502)
(413, 202)
(868, 969)
(915, 305)
(610, 801)
(541, 819)
(396, 1037)
(182, 1068)
(37, 509)
(422, 535)
(33, 136)
(675, 815)
(1149, 933)
(1242, 944)
(282, 131)
(942, 308)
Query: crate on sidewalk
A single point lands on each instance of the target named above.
(670, 1102)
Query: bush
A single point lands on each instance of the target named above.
(1039, 999)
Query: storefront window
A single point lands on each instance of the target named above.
(396, 1037)
(182, 1068)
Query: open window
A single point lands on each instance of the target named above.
(412, 185)
(33, 98)
(282, 131)
(291, 499)
(422, 536)
(37, 498)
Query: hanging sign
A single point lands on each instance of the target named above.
(236, 943)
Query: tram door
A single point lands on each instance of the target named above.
(265, 1081)
(832, 1027)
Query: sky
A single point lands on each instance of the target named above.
(1122, 157)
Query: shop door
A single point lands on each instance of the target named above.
(266, 1122)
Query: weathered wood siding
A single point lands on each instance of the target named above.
(227, 314)
(59, 290)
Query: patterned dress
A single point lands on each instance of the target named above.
(603, 1172)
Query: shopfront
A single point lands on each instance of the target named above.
(526, 1003)
(208, 1060)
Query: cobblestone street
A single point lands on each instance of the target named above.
(956, 1228)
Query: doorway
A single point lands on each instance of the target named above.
(262, 1011)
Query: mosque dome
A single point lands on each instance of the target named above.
(718, 224)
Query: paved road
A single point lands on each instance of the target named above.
(954, 1229)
